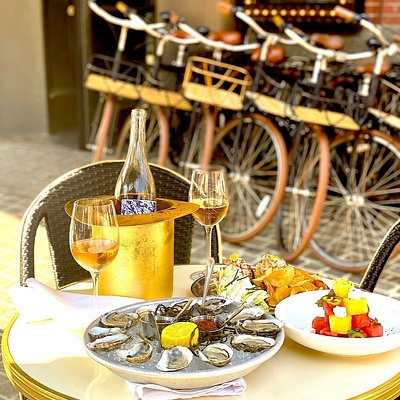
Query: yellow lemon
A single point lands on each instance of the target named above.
(180, 334)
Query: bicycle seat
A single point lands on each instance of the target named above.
(276, 54)
(332, 42)
(179, 33)
(367, 66)
(228, 37)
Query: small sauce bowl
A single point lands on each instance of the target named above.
(162, 322)
(209, 323)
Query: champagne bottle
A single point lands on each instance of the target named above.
(135, 189)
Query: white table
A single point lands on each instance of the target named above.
(45, 362)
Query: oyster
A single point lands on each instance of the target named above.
(119, 319)
(97, 332)
(218, 354)
(138, 353)
(251, 343)
(264, 327)
(174, 359)
(248, 313)
(109, 342)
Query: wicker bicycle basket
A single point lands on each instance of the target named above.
(101, 77)
(216, 83)
(387, 106)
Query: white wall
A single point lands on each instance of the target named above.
(23, 106)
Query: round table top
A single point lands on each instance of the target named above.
(45, 361)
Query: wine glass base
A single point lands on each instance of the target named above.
(197, 275)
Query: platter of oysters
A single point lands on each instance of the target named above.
(182, 343)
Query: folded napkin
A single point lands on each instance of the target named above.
(38, 302)
(150, 391)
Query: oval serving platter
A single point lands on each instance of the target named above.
(197, 374)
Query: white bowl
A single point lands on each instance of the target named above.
(298, 311)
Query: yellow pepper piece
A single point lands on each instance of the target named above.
(340, 324)
(341, 287)
(356, 306)
(180, 334)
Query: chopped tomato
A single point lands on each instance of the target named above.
(320, 323)
(360, 321)
(327, 332)
(374, 330)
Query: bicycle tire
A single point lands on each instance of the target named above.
(303, 201)
(192, 153)
(253, 151)
(364, 187)
(152, 135)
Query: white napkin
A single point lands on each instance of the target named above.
(38, 302)
(148, 391)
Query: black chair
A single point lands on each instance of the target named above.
(382, 254)
(92, 180)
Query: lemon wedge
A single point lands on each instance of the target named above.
(180, 334)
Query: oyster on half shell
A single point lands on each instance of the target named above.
(251, 343)
(174, 359)
(97, 332)
(119, 319)
(107, 343)
(263, 327)
(217, 354)
(138, 353)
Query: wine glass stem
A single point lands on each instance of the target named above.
(95, 278)
(208, 242)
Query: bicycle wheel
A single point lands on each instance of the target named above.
(195, 140)
(152, 135)
(302, 204)
(363, 199)
(253, 151)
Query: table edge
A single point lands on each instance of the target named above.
(24, 383)
(29, 387)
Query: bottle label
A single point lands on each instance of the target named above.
(134, 206)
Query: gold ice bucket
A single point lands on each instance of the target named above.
(144, 266)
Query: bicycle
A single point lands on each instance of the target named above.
(115, 78)
(256, 185)
(365, 168)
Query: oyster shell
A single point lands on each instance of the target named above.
(174, 359)
(217, 354)
(119, 319)
(109, 342)
(251, 343)
(138, 353)
(264, 327)
(97, 332)
(248, 313)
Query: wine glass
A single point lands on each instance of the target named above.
(208, 190)
(94, 238)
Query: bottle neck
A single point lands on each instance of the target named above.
(137, 142)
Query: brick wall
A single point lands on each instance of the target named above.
(390, 11)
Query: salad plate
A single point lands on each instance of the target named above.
(297, 313)
(197, 373)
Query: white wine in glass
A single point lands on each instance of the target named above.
(94, 238)
(208, 190)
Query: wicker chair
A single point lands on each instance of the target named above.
(91, 180)
(381, 256)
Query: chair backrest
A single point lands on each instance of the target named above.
(93, 180)
(381, 256)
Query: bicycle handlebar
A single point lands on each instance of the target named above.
(215, 43)
(350, 15)
(134, 22)
(301, 38)
(239, 13)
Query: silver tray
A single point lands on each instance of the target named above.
(198, 374)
